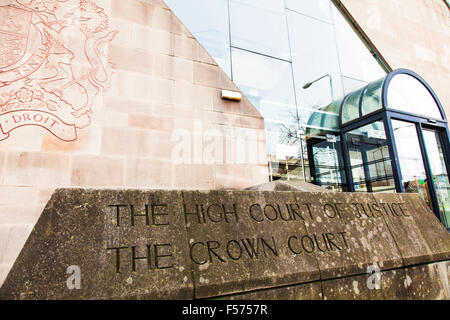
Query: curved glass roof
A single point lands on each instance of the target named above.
(324, 119)
(405, 93)
(401, 90)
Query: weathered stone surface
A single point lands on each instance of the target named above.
(136, 244)
(281, 185)
(246, 248)
(419, 235)
(429, 282)
(347, 236)
(305, 291)
(391, 286)
(81, 228)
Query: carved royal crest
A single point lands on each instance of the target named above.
(14, 29)
(53, 64)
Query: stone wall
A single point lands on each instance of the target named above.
(413, 35)
(162, 244)
(157, 119)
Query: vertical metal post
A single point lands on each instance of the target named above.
(390, 139)
(301, 152)
(347, 164)
(426, 160)
(366, 169)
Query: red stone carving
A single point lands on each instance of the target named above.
(53, 64)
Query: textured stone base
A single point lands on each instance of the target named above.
(425, 282)
(138, 244)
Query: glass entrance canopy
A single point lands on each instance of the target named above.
(401, 91)
(389, 136)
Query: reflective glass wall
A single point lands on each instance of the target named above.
(290, 58)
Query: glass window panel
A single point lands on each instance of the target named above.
(355, 59)
(282, 132)
(328, 169)
(284, 152)
(370, 161)
(274, 5)
(207, 20)
(371, 100)
(319, 121)
(357, 170)
(414, 178)
(351, 85)
(406, 93)
(439, 172)
(325, 119)
(319, 9)
(373, 130)
(278, 112)
(315, 61)
(273, 137)
(267, 82)
(263, 78)
(259, 29)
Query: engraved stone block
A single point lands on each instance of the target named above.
(97, 244)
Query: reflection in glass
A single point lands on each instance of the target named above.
(327, 168)
(207, 20)
(439, 172)
(263, 78)
(314, 57)
(357, 169)
(406, 93)
(370, 162)
(412, 168)
(324, 147)
(323, 120)
(267, 82)
(284, 151)
(278, 112)
(352, 84)
(259, 29)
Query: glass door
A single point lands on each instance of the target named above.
(422, 167)
(326, 166)
(439, 174)
(369, 159)
(413, 173)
